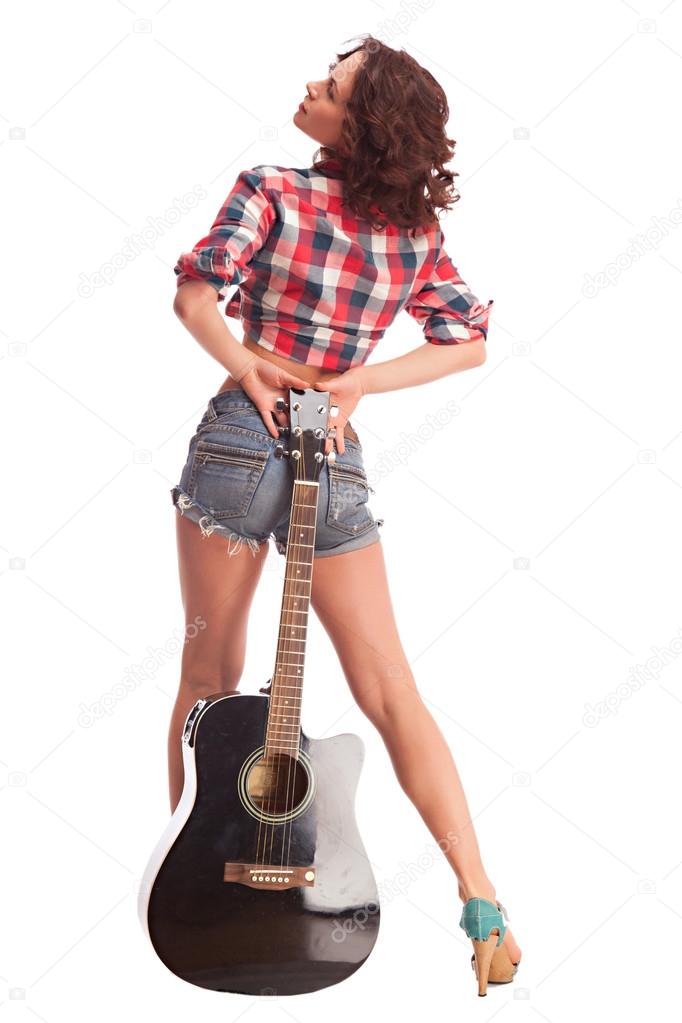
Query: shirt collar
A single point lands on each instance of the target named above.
(332, 166)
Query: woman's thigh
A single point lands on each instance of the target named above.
(350, 595)
(217, 593)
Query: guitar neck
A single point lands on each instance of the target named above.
(286, 692)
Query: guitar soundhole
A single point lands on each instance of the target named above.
(277, 785)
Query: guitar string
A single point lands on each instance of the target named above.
(277, 708)
(292, 765)
(275, 701)
(295, 524)
(266, 806)
(300, 512)
(310, 528)
(308, 505)
(299, 517)
(303, 520)
(311, 524)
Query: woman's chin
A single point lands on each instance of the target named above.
(300, 124)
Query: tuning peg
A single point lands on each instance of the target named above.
(281, 405)
(283, 430)
(280, 450)
(331, 457)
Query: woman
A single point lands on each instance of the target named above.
(325, 257)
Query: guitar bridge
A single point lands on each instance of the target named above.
(261, 876)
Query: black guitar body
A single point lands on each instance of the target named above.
(277, 932)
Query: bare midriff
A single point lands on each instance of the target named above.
(308, 373)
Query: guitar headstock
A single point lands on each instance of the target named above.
(309, 423)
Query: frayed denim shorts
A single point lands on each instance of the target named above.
(233, 484)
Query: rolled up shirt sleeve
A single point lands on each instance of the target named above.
(445, 306)
(221, 258)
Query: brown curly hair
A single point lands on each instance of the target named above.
(393, 143)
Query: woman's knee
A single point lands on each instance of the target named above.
(200, 682)
(384, 696)
(212, 667)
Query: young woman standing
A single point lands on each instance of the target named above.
(325, 257)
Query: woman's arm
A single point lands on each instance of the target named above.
(429, 362)
(196, 307)
(420, 366)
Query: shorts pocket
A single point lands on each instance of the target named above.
(348, 510)
(235, 417)
(224, 477)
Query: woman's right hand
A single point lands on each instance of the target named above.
(265, 383)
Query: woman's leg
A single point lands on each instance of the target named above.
(350, 595)
(217, 591)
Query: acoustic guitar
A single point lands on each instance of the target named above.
(260, 883)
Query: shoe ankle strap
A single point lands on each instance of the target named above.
(502, 910)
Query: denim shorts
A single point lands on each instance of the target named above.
(232, 483)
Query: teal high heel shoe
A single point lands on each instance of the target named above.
(483, 923)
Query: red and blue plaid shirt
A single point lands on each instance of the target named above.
(318, 284)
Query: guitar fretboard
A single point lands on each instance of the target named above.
(286, 691)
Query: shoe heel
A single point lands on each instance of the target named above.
(483, 956)
(483, 922)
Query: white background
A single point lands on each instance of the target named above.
(532, 543)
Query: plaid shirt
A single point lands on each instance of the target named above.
(319, 285)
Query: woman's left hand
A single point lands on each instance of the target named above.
(345, 391)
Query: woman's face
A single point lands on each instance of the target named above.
(323, 111)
